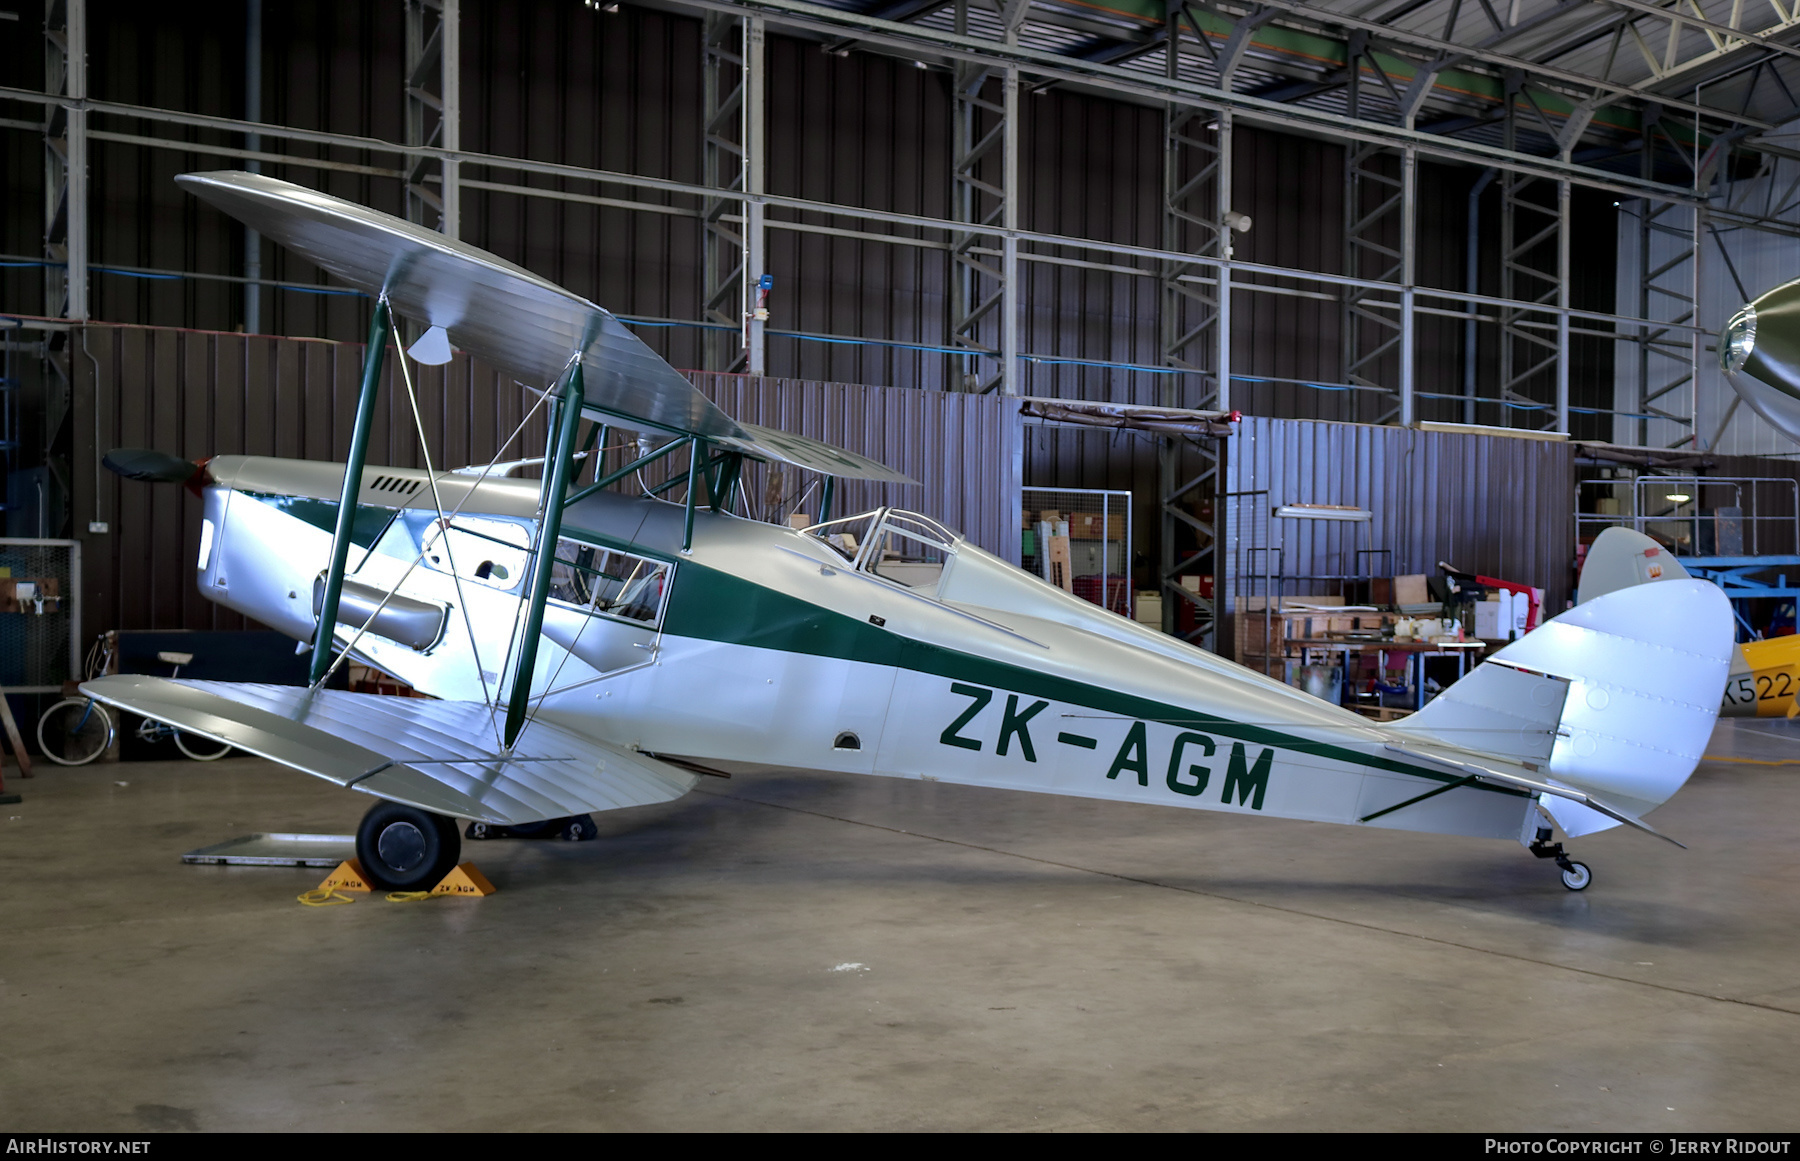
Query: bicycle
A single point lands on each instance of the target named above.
(77, 730)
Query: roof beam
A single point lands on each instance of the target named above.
(902, 12)
(918, 41)
(1583, 86)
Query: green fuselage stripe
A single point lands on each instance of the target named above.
(712, 605)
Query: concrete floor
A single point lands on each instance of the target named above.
(1014, 962)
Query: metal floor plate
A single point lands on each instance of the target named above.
(279, 850)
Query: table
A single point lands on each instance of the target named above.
(1311, 651)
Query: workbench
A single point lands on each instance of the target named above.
(1349, 655)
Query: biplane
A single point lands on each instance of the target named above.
(585, 649)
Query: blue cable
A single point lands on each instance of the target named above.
(177, 277)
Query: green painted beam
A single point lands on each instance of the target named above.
(611, 478)
(556, 483)
(380, 328)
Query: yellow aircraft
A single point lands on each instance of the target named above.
(1765, 675)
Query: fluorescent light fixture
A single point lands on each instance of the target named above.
(1486, 429)
(1324, 512)
(1678, 498)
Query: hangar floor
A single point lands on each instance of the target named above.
(829, 952)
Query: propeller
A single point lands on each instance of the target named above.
(155, 467)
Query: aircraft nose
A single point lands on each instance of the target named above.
(1759, 351)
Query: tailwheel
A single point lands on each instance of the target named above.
(403, 848)
(1575, 876)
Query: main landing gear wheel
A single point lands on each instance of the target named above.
(1576, 876)
(403, 848)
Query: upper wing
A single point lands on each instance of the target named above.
(769, 443)
(435, 755)
(504, 312)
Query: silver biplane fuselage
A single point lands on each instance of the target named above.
(768, 646)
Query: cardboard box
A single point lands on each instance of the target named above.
(1411, 590)
(1090, 526)
(1502, 617)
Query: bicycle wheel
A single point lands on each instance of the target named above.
(75, 731)
(200, 749)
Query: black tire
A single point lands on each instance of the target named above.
(578, 828)
(1577, 877)
(403, 848)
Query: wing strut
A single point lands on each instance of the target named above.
(557, 473)
(381, 326)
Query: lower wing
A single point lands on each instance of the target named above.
(440, 756)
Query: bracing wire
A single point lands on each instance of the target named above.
(419, 557)
(437, 502)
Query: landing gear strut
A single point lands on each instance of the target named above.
(577, 828)
(1575, 876)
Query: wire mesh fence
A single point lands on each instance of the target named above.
(1080, 540)
(40, 587)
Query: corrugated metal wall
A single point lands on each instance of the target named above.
(965, 450)
(203, 393)
(1493, 505)
(1488, 504)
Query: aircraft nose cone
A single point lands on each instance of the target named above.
(1759, 351)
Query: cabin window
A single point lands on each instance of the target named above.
(610, 582)
(495, 553)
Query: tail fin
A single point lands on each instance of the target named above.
(1623, 689)
(1620, 558)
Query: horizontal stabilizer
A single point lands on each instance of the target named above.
(440, 756)
(1494, 710)
(1554, 791)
